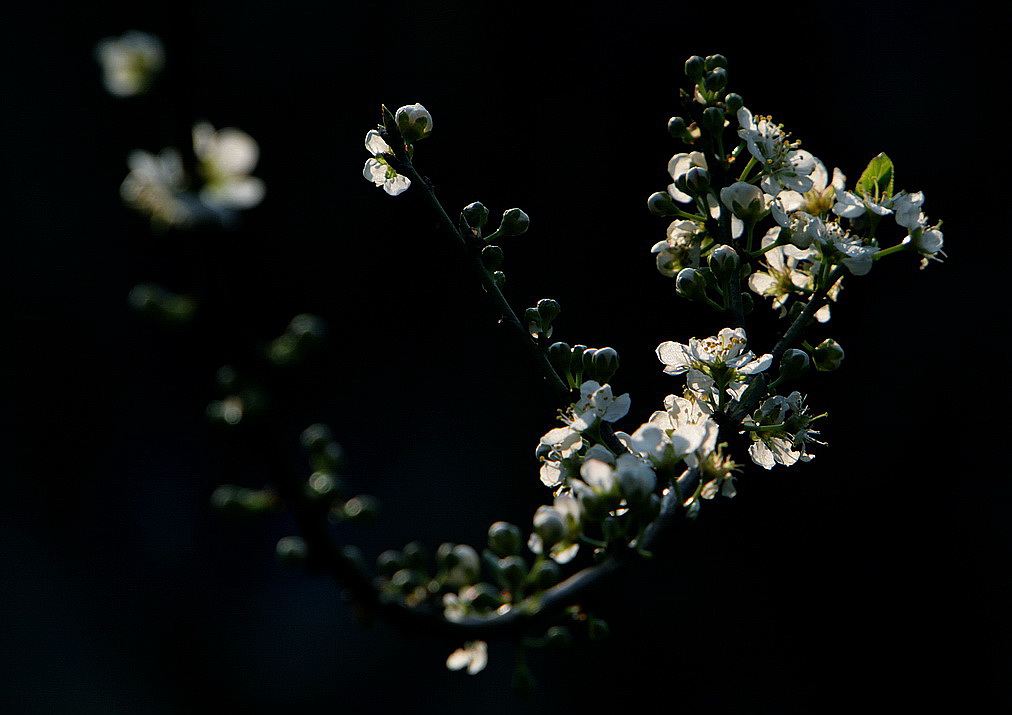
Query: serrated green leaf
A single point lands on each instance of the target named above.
(877, 180)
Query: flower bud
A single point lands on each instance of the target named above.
(492, 257)
(793, 364)
(514, 223)
(315, 437)
(713, 119)
(690, 284)
(323, 485)
(827, 355)
(724, 262)
(697, 181)
(747, 302)
(550, 525)
(475, 214)
(483, 596)
(660, 203)
(604, 364)
(716, 80)
(587, 361)
(414, 122)
(560, 355)
(363, 509)
(712, 62)
(545, 574)
(548, 309)
(733, 102)
(416, 556)
(694, 67)
(511, 572)
(504, 539)
(499, 278)
(744, 200)
(677, 128)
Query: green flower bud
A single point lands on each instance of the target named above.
(307, 329)
(560, 355)
(733, 102)
(499, 278)
(587, 361)
(475, 214)
(492, 257)
(660, 203)
(511, 572)
(716, 80)
(694, 67)
(514, 223)
(690, 284)
(713, 119)
(714, 61)
(723, 262)
(407, 580)
(597, 629)
(793, 364)
(550, 525)
(545, 574)
(677, 127)
(549, 309)
(504, 539)
(414, 122)
(747, 303)
(604, 364)
(292, 550)
(827, 355)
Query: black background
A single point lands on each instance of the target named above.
(873, 579)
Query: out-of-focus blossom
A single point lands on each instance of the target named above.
(130, 62)
(225, 159)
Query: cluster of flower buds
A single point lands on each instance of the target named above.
(578, 364)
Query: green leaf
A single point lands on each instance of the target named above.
(877, 179)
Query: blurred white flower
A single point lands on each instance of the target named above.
(129, 63)
(225, 159)
(473, 656)
(155, 187)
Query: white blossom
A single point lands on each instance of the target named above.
(784, 166)
(596, 403)
(378, 169)
(130, 62)
(225, 159)
(155, 186)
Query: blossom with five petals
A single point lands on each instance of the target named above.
(378, 169)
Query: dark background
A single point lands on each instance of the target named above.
(874, 578)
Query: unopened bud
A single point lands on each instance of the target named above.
(744, 200)
(504, 539)
(550, 525)
(492, 257)
(475, 214)
(712, 62)
(604, 364)
(548, 309)
(716, 80)
(363, 509)
(733, 102)
(514, 223)
(545, 574)
(558, 637)
(414, 122)
(511, 572)
(724, 262)
(713, 119)
(678, 129)
(827, 355)
(690, 284)
(793, 364)
(292, 550)
(660, 203)
(697, 181)
(560, 355)
(694, 67)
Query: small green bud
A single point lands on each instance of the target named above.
(492, 257)
(499, 278)
(716, 80)
(576, 360)
(678, 129)
(406, 580)
(714, 61)
(550, 525)
(587, 362)
(511, 572)
(660, 203)
(504, 539)
(747, 303)
(549, 309)
(414, 122)
(733, 102)
(475, 214)
(604, 364)
(560, 355)
(793, 364)
(694, 67)
(514, 223)
(713, 119)
(827, 355)
(690, 284)
(723, 262)
(545, 574)
(292, 550)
